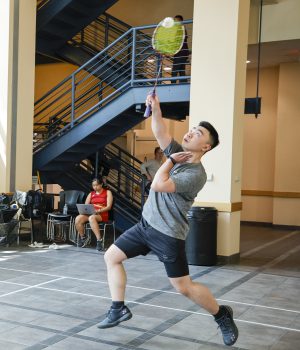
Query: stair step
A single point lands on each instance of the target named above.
(81, 149)
(91, 140)
(48, 34)
(59, 24)
(80, 8)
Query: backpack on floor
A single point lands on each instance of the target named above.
(35, 204)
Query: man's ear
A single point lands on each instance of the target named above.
(206, 148)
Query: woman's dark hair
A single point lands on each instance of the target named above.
(179, 17)
(98, 179)
(213, 134)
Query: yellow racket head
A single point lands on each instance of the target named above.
(168, 40)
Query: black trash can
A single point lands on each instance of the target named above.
(201, 242)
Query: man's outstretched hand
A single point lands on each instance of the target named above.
(181, 157)
(153, 101)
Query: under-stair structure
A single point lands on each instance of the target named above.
(124, 180)
(58, 21)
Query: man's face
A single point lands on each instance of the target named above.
(159, 154)
(196, 140)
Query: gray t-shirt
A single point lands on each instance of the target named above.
(151, 166)
(166, 212)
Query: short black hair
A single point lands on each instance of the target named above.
(179, 17)
(213, 134)
(156, 149)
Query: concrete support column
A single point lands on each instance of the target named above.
(220, 37)
(17, 67)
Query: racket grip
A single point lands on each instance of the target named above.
(148, 110)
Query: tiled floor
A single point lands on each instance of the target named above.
(54, 298)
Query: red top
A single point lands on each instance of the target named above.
(100, 200)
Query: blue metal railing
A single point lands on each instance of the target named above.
(100, 33)
(127, 62)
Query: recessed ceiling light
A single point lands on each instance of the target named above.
(248, 61)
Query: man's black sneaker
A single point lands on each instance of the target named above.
(99, 245)
(115, 316)
(82, 241)
(226, 324)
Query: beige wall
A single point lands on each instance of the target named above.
(260, 133)
(138, 12)
(17, 45)
(26, 69)
(49, 75)
(253, 22)
(287, 159)
(6, 48)
(281, 21)
(271, 147)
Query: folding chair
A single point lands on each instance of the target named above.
(27, 229)
(103, 226)
(20, 198)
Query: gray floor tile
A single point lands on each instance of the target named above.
(13, 313)
(194, 327)
(289, 341)
(166, 343)
(119, 335)
(63, 314)
(57, 323)
(269, 316)
(11, 346)
(25, 336)
(80, 344)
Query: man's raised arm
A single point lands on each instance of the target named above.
(158, 125)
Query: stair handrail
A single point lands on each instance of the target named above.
(109, 23)
(83, 74)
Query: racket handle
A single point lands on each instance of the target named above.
(148, 110)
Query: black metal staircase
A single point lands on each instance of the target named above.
(84, 113)
(60, 20)
(124, 180)
(99, 102)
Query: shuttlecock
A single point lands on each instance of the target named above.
(168, 22)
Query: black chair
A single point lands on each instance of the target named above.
(71, 198)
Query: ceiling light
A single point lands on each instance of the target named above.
(248, 61)
(167, 68)
(150, 60)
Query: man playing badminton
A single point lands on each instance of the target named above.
(164, 225)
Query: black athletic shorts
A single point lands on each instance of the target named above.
(143, 238)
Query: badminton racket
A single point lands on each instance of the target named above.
(167, 40)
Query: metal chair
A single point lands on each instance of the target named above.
(103, 226)
(60, 221)
(21, 228)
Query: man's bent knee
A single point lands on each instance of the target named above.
(182, 284)
(114, 255)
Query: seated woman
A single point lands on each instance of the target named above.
(102, 200)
